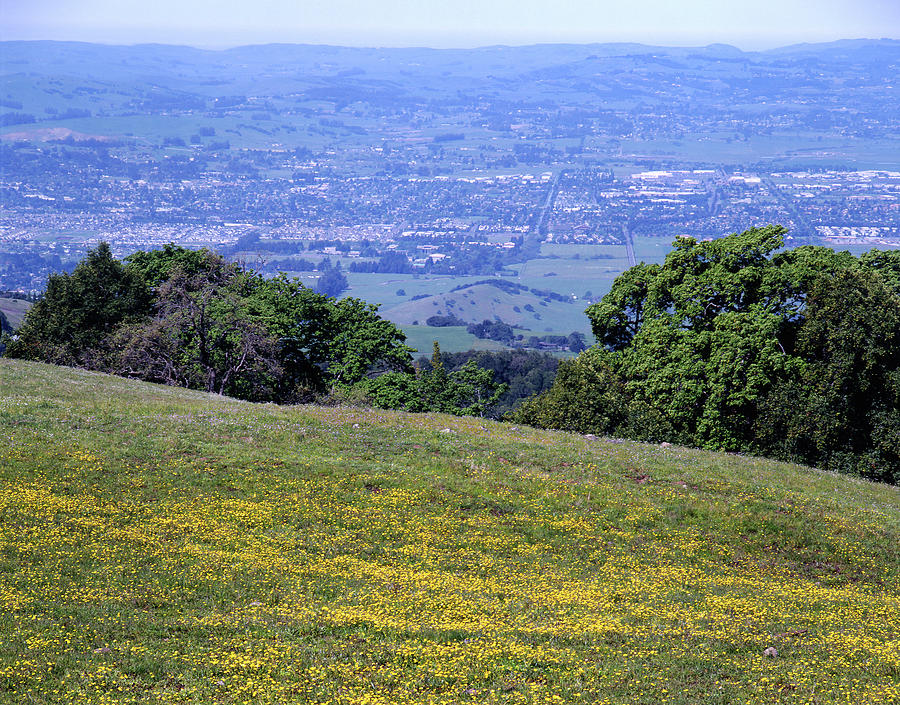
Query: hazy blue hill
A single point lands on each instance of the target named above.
(859, 49)
(140, 61)
(47, 76)
(474, 304)
(14, 310)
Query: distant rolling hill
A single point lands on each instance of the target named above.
(14, 310)
(148, 92)
(518, 306)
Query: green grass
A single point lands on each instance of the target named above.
(475, 304)
(14, 309)
(164, 546)
(383, 288)
(450, 338)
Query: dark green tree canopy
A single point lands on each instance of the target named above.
(736, 344)
(697, 282)
(843, 408)
(203, 334)
(326, 343)
(155, 266)
(887, 264)
(469, 390)
(78, 311)
(190, 318)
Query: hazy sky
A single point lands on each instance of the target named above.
(749, 24)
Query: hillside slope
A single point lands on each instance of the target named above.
(161, 545)
(474, 304)
(14, 310)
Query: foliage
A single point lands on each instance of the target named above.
(525, 372)
(469, 390)
(203, 335)
(324, 343)
(332, 281)
(843, 411)
(732, 345)
(363, 340)
(887, 264)
(388, 263)
(619, 316)
(473, 390)
(573, 342)
(189, 318)
(434, 384)
(78, 311)
(394, 390)
(492, 330)
(302, 322)
(155, 266)
(586, 396)
(441, 321)
(5, 329)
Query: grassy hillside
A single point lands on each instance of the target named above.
(161, 545)
(14, 309)
(450, 338)
(475, 304)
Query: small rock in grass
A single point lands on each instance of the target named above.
(102, 650)
(256, 603)
(771, 652)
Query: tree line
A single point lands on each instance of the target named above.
(736, 344)
(733, 344)
(191, 319)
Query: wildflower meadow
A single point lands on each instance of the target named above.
(159, 545)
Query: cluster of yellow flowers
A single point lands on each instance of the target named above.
(336, 574)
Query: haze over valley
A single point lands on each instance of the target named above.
(416, 171)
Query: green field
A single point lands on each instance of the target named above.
(383, 288)
(564, 269)
(784, 149)
(450, 338)
(165, 546)
(476, 304)
(14, 310)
